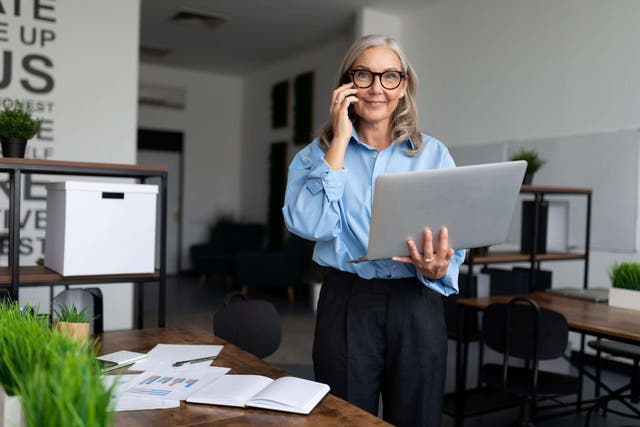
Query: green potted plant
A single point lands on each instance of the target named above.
(72, 322)
(17, 126)
(534, 162)
(625, 282)
(47, 378)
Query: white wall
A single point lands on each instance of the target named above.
(324, 62)
(371, 21)
(505, 70)
(494, 70)
(212, 126)
(86, 82)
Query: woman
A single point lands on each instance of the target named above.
(380, 325)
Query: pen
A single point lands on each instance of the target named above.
(202, 359)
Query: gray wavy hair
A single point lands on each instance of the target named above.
(404, 121)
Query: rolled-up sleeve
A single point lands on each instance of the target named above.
(448, 284)
(312, 200)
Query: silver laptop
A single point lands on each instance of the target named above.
(476, 204)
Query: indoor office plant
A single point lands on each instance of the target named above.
(534, 162)
(21, 336)
(625, 282)
(17, 126)
(47, 378)
(73, 322)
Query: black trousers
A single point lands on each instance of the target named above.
(382, 336)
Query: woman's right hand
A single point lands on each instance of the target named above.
(341, 98)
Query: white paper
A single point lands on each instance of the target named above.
(165, 355)
(172, 383)
(133, 404)
(231, 390)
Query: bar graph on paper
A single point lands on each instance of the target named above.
(174, 384)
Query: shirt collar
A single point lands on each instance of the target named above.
(354, 136)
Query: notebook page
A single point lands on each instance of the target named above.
(290, 394)
(230, 390)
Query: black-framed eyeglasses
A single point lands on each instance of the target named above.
(388, 79)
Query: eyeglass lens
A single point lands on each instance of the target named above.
(388, 79)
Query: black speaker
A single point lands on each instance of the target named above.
(98, 310)
(526, 232)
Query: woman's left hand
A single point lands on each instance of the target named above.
(432, 265)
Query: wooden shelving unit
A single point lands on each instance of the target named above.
(534, 258)
(482, 400)
(15, 276)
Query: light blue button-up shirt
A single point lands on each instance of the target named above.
(333, 207)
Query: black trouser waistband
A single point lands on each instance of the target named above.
(358, 285)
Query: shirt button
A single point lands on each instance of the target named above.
(374, 155)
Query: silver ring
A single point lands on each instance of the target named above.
(427, 260)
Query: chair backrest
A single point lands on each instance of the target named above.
(252, 325)
(233, 237)
(89, 299)
(529, 326)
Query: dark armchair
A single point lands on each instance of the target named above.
(282, 268)
(227, 239)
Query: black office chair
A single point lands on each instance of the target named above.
(252, 325)
(626, 395)
(520, 329)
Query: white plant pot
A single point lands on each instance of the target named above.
(315, 294)
(11, 414)
(624, 298)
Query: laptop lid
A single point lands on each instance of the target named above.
(475, 202)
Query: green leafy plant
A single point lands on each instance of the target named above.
(57, 378)
(625, 275)
(71, 314)
(18, 122)
(21, 334)
(66, 388)
(534, 162)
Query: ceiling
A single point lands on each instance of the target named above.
(256, 32)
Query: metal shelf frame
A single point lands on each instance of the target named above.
(15, 168)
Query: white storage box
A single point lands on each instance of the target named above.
(100, 228)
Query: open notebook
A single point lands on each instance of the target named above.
(289, 394)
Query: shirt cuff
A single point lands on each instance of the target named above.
(322, 177)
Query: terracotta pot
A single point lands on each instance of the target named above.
(13, 147)
(79, 331)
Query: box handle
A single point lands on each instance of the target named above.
(109, 195)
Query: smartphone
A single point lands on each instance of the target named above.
(350, 109)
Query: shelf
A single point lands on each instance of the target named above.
(42, 276)
(79, 168)
(512, 256)
(548, 189)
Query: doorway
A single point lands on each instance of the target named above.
(165, 148)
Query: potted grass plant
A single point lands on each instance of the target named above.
(21, 336)
(625, 282)
(72, 322)
(46, 378)
(534, 163)
(17, 126)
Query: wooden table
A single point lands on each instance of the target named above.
(331, 411)
(588, 317)
(585, 317)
